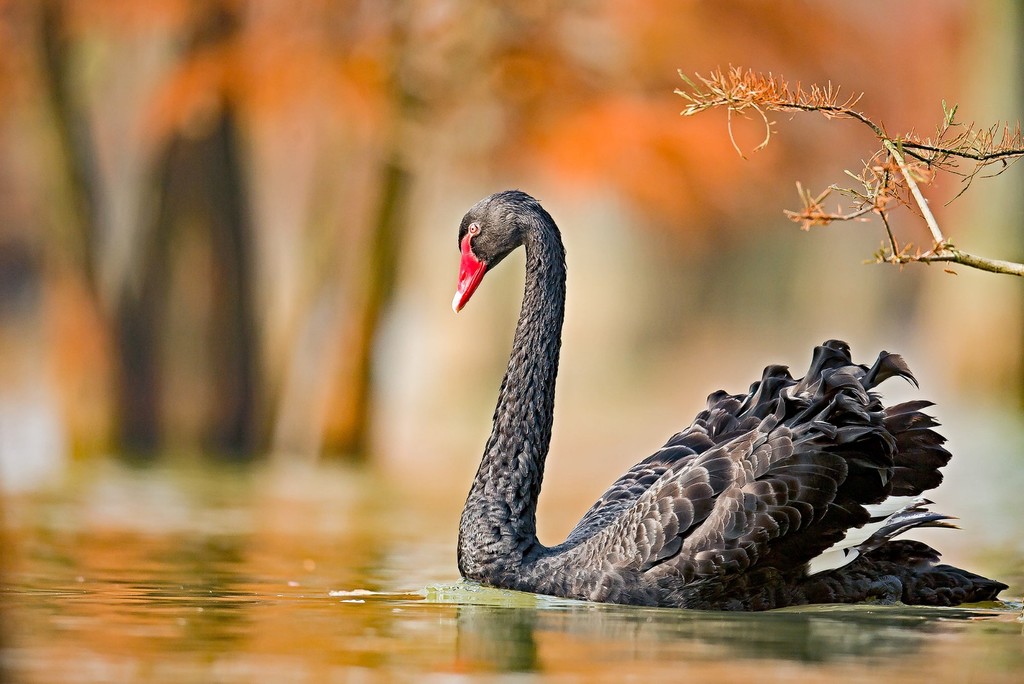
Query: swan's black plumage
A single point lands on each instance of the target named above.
(732, 510)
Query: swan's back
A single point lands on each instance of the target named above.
(771, 495)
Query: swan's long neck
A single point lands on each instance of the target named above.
(498, 527)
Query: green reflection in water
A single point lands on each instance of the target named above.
(502, 628)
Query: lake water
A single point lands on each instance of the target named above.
(271, 575)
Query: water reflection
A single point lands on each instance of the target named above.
(499, 639)
(213, 566)
(507, 637)
(130, 579)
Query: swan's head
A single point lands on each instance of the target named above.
(490, 230)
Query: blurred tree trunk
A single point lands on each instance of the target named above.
(197, 180)
(73, 136)
(136, 324)
(352, 440)
(134, 409)
(131, 317)
(348, 435)
(236, 425)
(200, 183)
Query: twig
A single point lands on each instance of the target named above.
(813, 214)
(915, 190)
(893, 245)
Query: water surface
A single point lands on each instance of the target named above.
(325, 576)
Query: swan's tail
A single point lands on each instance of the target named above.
(907, 571)
(891, 517)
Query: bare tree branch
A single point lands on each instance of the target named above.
(895, 172)
(950, 254)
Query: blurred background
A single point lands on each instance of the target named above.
(228, 231)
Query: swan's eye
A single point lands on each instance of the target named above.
(474, 229)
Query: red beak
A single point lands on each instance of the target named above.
(471, 272)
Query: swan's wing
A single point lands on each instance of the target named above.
(719, 511)
(791, 471)
(717, 423)
(624, 492)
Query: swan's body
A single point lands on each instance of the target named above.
(789, 494)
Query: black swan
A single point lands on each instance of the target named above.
(789, 494)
